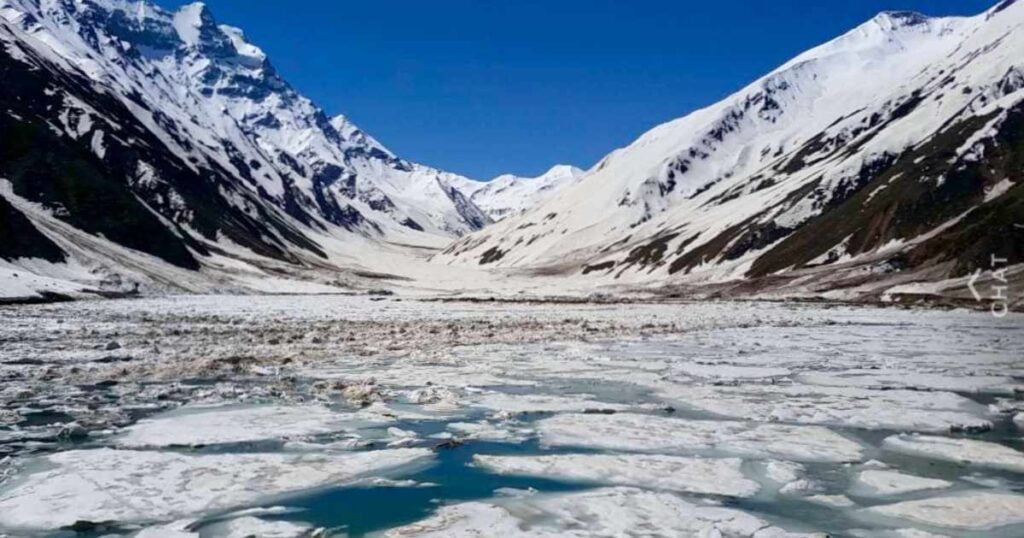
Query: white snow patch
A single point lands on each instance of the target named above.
(998, 190)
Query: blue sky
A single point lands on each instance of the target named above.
(483, 87)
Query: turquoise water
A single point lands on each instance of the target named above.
(364, 510)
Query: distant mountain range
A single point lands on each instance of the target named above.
(149, 150)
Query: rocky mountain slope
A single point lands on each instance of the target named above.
(888, 159)
(140, 142)
(153, 150)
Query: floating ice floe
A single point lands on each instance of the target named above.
(975, 511)
(728, 371)
(885, 483)
(670, 473)
(129, 486)
(1018, 419)
(908, 379)
(518, 404)
(894, 533)
(233, 424)
(783, 472)
(486, 431)
(969, 451)
(399, 438)
(651, 433)
(176, 529)
(603, 512)
(250, 527)
(801, 488)
(835, 501)
(839, 406)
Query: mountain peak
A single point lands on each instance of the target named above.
(351, 133)
(895, 20)
(197, 27)
(563, 170)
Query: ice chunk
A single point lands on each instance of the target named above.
(801, 487)
(177, 529)
(976, 511)
(248, 527)
(215, 425)
(835, 501)
(729, 371)
(1018, 419)
(884, 483)
(517, 404)
(783, 472)
(486, 431)
(603, 512)
(898, 378)
(141, 486)
(841, 406)
(399, 438)
(970, 451)
(894, 533)
(673, 473)
(651, 433)
(436, 398)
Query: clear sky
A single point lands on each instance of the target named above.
(484, 87)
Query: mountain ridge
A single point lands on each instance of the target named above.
(179, 139)
(162, 150)
(705, 199)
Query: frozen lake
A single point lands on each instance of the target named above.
(356, 416)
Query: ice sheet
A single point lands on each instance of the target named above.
(975, 511)
(884, 483)
(968, 451)
(234, 424)
(840, 406)
(658, 434)
(141, 486)
(669, 473)
(603, 512)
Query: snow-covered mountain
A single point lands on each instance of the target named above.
(170, 135)
(144, 147)
(509, 195)
(894, 151)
